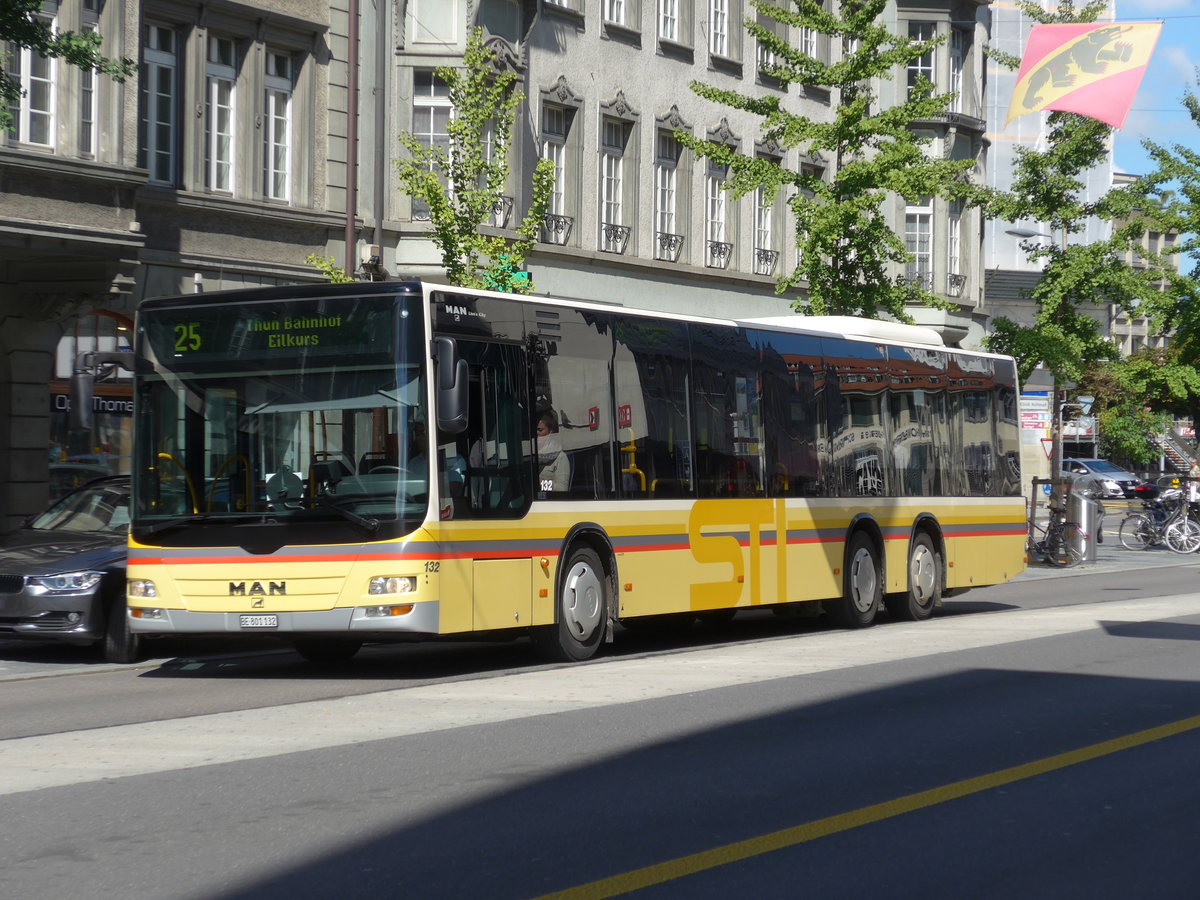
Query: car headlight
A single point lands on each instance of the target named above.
(68, 582)
(1112, 486)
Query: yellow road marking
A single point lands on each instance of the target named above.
(799, 834)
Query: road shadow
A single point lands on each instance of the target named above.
(1163, 631)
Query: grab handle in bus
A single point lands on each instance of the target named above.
(453, 379)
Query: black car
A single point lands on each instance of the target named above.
(62, 576)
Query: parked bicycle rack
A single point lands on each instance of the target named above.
(1081, 516)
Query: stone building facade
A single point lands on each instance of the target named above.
(245, 142)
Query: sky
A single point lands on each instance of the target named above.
(1157, 112)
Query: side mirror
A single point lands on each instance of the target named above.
(453, 380)
(79, 415)
(83, 376)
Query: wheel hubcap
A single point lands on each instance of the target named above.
(922, 575)
(862, 581)
(582, 601)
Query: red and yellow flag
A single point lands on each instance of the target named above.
(1093, 70)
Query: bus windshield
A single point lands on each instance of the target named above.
(292, 411)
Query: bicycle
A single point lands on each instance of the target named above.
(1168, 520)
(1060, 541)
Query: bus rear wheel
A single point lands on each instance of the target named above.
(863, 586)
(581, 615)
(924, 583)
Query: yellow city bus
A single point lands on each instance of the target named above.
(384, 461)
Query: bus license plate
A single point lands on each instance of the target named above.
(259, 621)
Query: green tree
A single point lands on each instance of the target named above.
(1136, 396)
(1079, 280)
(848, 252)
(20, 26)
(334, 273)
(1175, 184)
(1050, 187)
(462, 184)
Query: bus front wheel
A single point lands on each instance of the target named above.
(582, 610)
(924, 583)
(863, 586)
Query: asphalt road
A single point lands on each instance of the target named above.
(1038, 739)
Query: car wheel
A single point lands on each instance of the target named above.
(120, 645)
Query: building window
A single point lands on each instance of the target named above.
(718, 27)
(614, 234)
(556, 125)
(958, 60)
(717, 248)
(766, 257)
(431, 116)
(955, 279)
(668, 239)
(160, 103)
(918, 234)
(277, 127)
(920, 67)
(220, 76)
(33, 113)
(87, 89)
(614, 11)
(668, 20)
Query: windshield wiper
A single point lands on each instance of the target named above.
(324, 501)
(168, 524)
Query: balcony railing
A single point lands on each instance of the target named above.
(920, 279)
(613, 238)
(502, 211)
(719, 253)
(667, 246)
(556, 229)
(765, 261)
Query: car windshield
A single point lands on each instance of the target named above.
(1103, 466)
(101, 507)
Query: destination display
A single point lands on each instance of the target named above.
(350, 328)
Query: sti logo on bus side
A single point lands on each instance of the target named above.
(256, 589)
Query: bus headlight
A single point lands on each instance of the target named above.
(140, 588)
(401, 584)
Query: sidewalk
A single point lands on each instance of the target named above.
(1112, 557)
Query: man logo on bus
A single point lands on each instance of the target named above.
(256, 589)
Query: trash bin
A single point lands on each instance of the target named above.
(1085, 511)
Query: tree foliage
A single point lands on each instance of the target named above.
(21, 26)
(462, 185)
(334, 273)
(1049, 186)
(1136, 397)
(848, 251)
(1175, 184)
